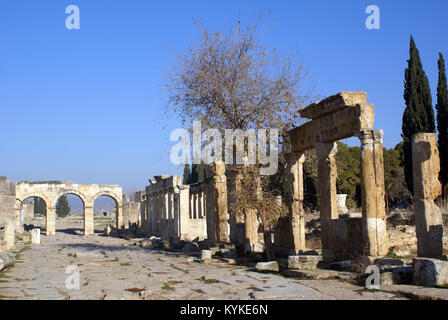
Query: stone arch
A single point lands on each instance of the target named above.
(118, 202)
(23, 197)
(111, 194)
(71, 191)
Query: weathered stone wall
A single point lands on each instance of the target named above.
(7, 219)
(7, 198)
(28, 209)
(174, 210)
(131, 214)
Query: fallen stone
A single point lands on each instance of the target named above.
(206, 255)
(401, 251)
(341, 265)
(229, 260)
(267, 266)
(214, 250)
(429, 272)
(388, 262)
(7, 259)
(304, 262)
(389, 278)
(191, 247)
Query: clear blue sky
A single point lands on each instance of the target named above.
(86, 105)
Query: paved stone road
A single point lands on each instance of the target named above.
(111, 268)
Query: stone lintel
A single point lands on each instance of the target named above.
(334, 103)
(341, 124)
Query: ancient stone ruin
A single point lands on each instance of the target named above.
(207, 214)
(51, 191)
(338, 117)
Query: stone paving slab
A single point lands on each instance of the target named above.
(112, 268)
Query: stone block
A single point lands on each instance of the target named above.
(389, 278)
(388, 262)
(6, 259)
(430, 272)
(206, 255)
(333, 103)
(304, 262)
(35, 236)
(267, 266)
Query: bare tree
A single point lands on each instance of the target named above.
(231, 81)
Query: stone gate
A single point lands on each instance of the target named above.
(51, 191)
(340, 116)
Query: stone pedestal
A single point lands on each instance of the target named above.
(374, 232)
(35, 236)
(296, 213)
(341, 199)
(327, 174)
(51, 221)
(428, 218)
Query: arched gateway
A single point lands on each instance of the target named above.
(51, 191)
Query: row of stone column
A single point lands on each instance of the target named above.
(160, 206)
(197, 204)
(88, 219)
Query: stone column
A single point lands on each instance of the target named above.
(119, 216)
(51, 221)
(237, 232)
(88, 220)
(250, 214)
(327, 174)
(427, 187)
(251, 222)
(296, 213)
(219, 190)
(374, 231)
(184, 211)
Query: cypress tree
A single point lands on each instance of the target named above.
(36, 205)
(201, 172)
(186, 177)
(442, 121)
(419, 113)
(62, 207)
(40, 206)
(194, 174)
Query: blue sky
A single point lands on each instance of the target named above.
(87, 105)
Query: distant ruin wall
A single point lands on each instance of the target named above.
(7, 198)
